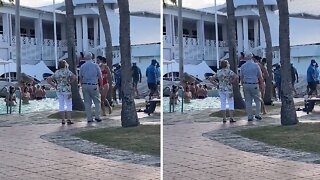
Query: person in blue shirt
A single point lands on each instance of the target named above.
(312, 77)
(151, 74)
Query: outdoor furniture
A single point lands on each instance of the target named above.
(309, 104)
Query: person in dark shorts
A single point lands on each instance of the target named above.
(136, 77)
(151, 74)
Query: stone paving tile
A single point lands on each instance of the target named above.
(190, 155)
(24, 155)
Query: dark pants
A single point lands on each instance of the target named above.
(312, 87)
(153, 87)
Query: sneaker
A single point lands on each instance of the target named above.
(250, 120)
(258, 117)
(232, 120)
(98, 119)
(90, 121)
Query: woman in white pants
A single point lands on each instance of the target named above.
(226, 78)
(62, 80)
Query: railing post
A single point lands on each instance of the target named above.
(20, 100)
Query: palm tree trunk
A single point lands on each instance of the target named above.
(267, 33)
(77, 102)
(129, 116)
(107, 32)
(288, 111)
(238, 101)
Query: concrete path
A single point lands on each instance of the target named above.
(190, 155)
(24, 155)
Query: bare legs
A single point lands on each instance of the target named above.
(104, 100)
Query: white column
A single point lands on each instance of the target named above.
(262, 37)
(95, 31)
(38, 30)
(102, 36)
(173, 29)
(63, 31)
(240, 35)
(5, 25)
(85, 33)
(79, 35)
(200, 35)
(245, 34)
(168, 23)
(256, 32)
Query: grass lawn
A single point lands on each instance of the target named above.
(143, 139)
(302, 137)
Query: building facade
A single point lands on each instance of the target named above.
(37, 34)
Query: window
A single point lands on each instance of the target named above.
(32, 33)
(23, 32)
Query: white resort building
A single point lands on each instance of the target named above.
(37, 32)
(199, 42)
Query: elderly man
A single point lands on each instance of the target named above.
(90, 79)
(251, 76)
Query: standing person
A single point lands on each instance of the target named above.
(117, 78)
(158, 77)
(251, 76)
(277, 79)
(193, 90)
(312, 78)
(106, 73)
(187, 95)
(294, 77)
(262, 85)
(225, 78)
(11, 97)
(62, 80)
(151, 74)
(90, 78)
(25, 96)
(136, 78)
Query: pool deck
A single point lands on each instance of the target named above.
(197, 146)
(25, 154)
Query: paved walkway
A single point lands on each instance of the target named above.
(190, 155)
(24, 155)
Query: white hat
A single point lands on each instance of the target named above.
(248, 54)
(88, 56)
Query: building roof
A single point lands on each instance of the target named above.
(305, 7)
(302, 31)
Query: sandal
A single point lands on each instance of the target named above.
(63, 122)
(69, 122)
(232, 120)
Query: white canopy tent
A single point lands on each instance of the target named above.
(35, 71)
(197, 71)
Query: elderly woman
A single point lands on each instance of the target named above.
(62, 80)
(225, 78)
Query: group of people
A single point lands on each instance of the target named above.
(193, 91)
(253, 75)
(94, 79)
(28, 92)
